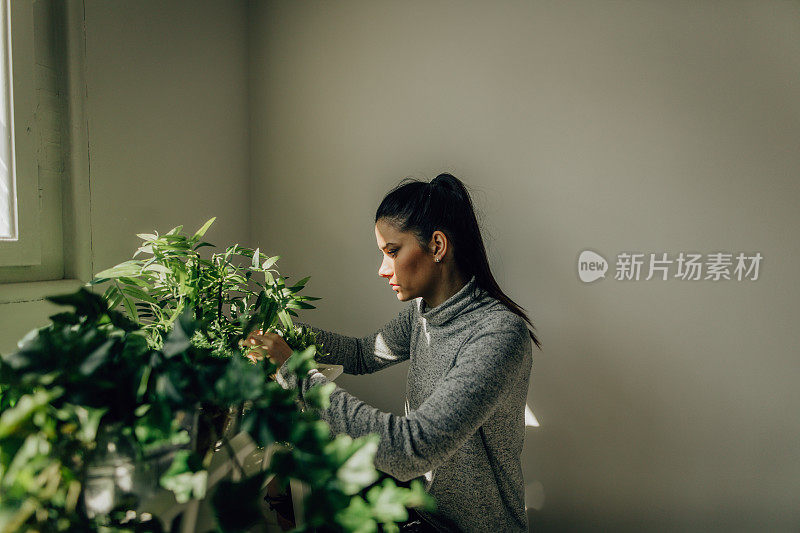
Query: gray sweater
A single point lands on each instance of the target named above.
(465, 405)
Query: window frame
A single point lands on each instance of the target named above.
(19, 32)
(74, 217)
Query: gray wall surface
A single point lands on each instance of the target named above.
(658, 126)
(166, 86)
(168, 126)
(613, 126)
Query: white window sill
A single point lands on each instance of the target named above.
(11, 293)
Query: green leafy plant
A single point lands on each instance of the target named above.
(95, 376)
(231, 292)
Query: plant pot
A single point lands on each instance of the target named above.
(215, 422)
(114, 473)
(160, 458)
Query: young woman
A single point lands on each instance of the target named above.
(471, 356)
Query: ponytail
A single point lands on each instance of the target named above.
(444, 204)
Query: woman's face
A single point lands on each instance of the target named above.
(409, 268)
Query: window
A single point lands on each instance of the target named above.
(19, 204)
(8, 194)
(47, 97)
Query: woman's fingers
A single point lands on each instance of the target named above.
(255, 339)
(269, 344)
(262, 338)
(256, 353)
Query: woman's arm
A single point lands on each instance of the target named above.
(387, 346)
(411, 445)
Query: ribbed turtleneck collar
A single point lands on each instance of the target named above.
(451, 307)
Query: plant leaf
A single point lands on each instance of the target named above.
(185, 477)
(96, 358)
(202, 231)
(359, 470)
(155, 267)
(178, 340)
(130, 307)
(136, 292)
(128, 268)
(203, 244)
(269, 262)
(300, 305)
(236, 503)
(302, 282)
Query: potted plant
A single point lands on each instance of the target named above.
(86, 398)
(230, 292)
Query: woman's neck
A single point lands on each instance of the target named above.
(449, 284)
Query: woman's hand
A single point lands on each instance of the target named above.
(267, 344)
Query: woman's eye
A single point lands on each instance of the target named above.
(393, 252)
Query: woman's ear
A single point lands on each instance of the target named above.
(438, 243)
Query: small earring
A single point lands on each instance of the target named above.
(437, 259)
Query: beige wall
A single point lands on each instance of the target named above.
(166, 107)
(616, 126)
(648, 126)
(168, 127)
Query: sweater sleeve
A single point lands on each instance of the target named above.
(466, 396)
(387, 346)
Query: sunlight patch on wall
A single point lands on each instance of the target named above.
(530, 418)
(534, 495)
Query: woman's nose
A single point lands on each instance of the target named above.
(385, 270)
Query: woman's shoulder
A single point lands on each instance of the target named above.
(495, 315)
(499, 334)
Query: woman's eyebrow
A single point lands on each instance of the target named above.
(387, 245)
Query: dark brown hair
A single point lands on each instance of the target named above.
(444, 204)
